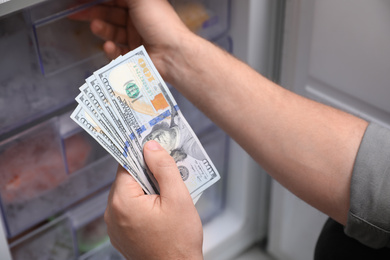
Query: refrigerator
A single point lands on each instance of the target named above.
(55, 179)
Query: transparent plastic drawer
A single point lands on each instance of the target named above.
(34, 41)
(52, 241)
(208, 18)
(88, 223)
(61, 42)
(31, 166)
(47, 169)
(92, 235)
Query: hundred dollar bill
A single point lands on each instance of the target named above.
(103, 117)
(95, 93)
(89, 125)
(90, 109)
(142, 100)
(88, 106)
(110, 108)
(90, 100)
(136, 86)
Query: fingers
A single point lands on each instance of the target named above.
(125, 184)
(122, 190)
(112, 50)
(165, 171)
(109, 32)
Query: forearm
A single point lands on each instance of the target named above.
(308, 147)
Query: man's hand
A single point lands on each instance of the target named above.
(165, 226)
(127, 24)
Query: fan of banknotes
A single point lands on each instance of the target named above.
(125, 104)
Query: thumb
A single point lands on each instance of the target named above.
(164, 169)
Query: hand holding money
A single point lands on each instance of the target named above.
(151, 226)
(125, 104)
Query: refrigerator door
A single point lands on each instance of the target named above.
(335, 52)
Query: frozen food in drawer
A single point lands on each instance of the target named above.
(52, 241)
(35, 184)
(63, 42)
(76, 187)
(31, 166)
(208, 18)
(81, 150)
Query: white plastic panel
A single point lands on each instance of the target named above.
(350, 50)
(336, 52)
(294, 226)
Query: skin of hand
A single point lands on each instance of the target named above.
(168, 227)
(127, 24)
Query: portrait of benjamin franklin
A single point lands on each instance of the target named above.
(176, 139)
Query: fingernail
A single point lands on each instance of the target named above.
(153, 145)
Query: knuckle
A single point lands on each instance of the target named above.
(116, 203)
(116, 212)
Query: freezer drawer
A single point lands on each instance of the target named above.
(52, 241)
(46, 169)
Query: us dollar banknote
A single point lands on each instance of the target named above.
(130, 104)
(86, 121)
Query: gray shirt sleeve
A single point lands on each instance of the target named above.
(369, 214)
